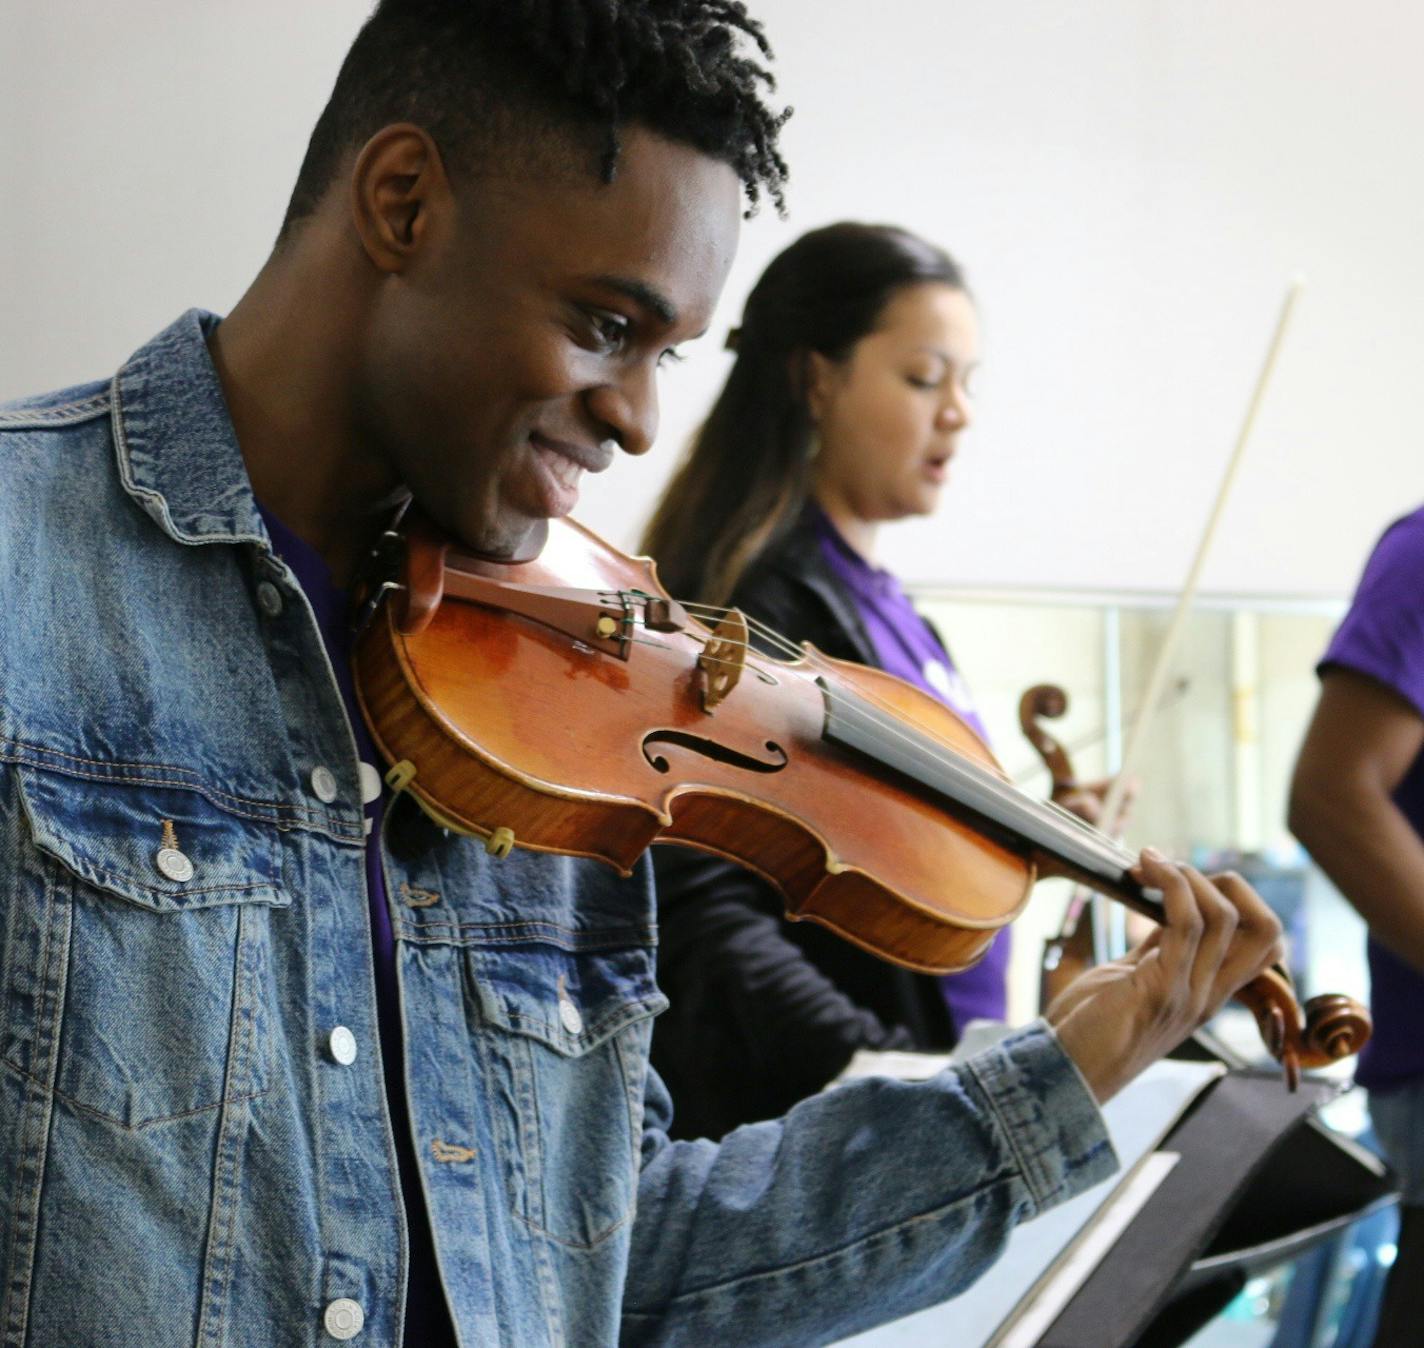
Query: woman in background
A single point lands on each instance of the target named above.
(842, 413)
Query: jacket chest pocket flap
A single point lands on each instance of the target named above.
(569, 1056)
(150, 912)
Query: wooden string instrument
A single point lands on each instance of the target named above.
(568, 705)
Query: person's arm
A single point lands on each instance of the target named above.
(861, 1205)
(1361, 742)
(881, 1197)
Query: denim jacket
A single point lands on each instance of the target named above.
(190, 1155)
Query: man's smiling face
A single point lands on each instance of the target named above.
(519, 348)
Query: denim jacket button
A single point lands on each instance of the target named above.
(342, 1045)
(343, 1318)
(569, 1015)
(269, 599)
(323, 785)
(173, 864)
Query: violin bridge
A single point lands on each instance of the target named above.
(723, 658)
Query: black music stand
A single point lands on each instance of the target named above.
(1259, 1182)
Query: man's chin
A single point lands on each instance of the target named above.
(510, 545)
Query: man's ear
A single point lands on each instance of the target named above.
(398, 187)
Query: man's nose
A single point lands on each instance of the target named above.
(628, 408)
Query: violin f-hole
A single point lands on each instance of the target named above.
(718, 753)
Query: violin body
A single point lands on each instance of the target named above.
(515, 727)
(567, 705)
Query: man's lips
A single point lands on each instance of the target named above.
(559, 465)
(591, 458)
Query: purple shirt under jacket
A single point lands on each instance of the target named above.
(906, 646)
(1382, 636)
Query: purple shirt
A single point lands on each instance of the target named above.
(427, 1321)
(1382, 636)
(905, 645)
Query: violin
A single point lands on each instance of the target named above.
(568, 705)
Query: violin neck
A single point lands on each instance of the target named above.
(1059, 841)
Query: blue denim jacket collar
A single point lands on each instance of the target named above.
(177, 452)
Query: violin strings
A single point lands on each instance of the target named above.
(880, 717)
(890, 721)
(1008, 796)
(813, 659)
(754, 624)
(894, 718)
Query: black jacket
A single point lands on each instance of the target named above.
(765, 1011)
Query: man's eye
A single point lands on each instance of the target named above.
(610, 329)
(672, 356)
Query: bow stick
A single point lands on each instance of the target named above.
(1113, 800)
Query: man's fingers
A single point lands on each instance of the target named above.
(1261, 942)
(1220, 920)
(1182, 928)
(1146, 946)
(1255, 915)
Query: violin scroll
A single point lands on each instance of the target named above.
(1336, 1026)
(1327, 1028)
(1047, 700)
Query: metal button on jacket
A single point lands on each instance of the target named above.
(343, 1318)
(569, 1014)
(342, 1045)
(323, 784)
(174, 864)
(269, 598)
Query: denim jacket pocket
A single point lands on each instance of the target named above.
(567, 1053)
(145, 910)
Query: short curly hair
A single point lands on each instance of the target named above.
(485, 76)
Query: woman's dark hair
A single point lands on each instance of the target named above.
(547, 77)
(745, 478)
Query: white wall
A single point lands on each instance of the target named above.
(1130, 184)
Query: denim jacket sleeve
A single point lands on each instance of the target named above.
(773, 1235)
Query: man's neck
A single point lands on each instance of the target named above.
(288, 364)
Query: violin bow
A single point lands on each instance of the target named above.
(1113, 800)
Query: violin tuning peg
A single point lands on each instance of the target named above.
(1290, 1065)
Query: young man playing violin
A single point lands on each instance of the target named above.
(279, 1065)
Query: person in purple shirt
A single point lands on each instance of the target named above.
(1357, 803)
(842, 413)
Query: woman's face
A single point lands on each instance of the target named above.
(889, 415)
